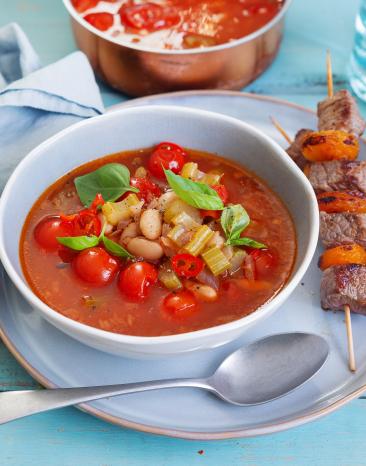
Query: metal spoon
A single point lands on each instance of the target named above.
(261, 372)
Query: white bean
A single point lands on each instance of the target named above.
(141, 247)
(203, 292)
(150, 224)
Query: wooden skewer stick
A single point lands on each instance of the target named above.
(329, 75)
(347, 310)
(351, 351)
(279, 128)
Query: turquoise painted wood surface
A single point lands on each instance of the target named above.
(69, 437)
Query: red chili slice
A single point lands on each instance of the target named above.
(147, 189)
(86, 222)
(166, 155)
(186, 265)
(101, 21)
(149, 16)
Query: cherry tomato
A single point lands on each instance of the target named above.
(95, 266)
(180, 304)
(167, 155)
(136, 279)
(147, 189)
(222, 192)
(149, 16)
(101, 21)
(48, 229)
(186, 265)
(264, 261)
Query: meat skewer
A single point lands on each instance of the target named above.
(343, 214)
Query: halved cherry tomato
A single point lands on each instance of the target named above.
(86, 222)
(147, 189)
(136, 279)
(149, 16)
(95, 266)
(48, 229)
(222, 192)
(166, 155)
(83, 5)
(186, 265)
(264, 261)
(102, 21)
(180, 304)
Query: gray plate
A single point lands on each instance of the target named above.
(57, 360)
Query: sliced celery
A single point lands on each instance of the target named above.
(176, 207)
(117, 211)
(175, 234)
(237, 260)
(200, 238)
(216, 261)
(211, 179)
(169, 279)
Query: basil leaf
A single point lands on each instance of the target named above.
(195, 194)
(251, 243)
(78, 243)
(234, 219)
(114, 248)
(111, 181)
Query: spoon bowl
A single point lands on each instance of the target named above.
(269, 368)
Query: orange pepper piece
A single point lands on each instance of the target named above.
(321, 146)
(341, 255)
(339, 201)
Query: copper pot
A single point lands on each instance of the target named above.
(138, 70)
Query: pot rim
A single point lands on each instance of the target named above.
(217, 48)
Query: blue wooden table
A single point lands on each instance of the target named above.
(71, 438)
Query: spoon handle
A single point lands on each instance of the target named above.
(20, 403)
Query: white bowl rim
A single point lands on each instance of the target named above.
(66, 322)
(216, 48)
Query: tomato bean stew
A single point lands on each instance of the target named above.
(178, 24)
(157, 241)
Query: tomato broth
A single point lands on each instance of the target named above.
(111, 305)
(178, 24)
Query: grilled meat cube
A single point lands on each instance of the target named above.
(342, 228)
(344, 284)
(340, 112)
(294, 150)
(338, 175)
